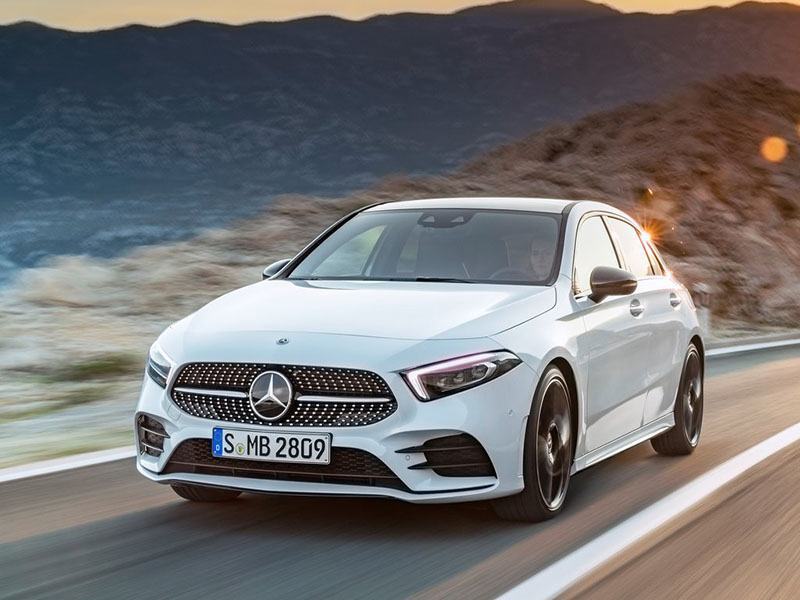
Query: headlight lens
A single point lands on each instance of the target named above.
(448, 377)
(158, 366)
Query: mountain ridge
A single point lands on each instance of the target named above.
(585, 6)
(515, 6)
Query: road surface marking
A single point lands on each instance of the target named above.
(96, 458)
(57, 465)
(728, 351)
(567, 571)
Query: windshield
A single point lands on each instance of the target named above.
(473, 246)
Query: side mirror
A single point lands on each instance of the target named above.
(274, 268)
(610, 281)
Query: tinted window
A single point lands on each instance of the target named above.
(592, 249)
(633, 251)
(497, 246)
(350, 258)
(655, 262)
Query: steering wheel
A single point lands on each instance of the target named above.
(509, 272)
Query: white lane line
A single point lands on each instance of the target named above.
(751, 347)
(56, 465)
(96, 458)
(567, 571)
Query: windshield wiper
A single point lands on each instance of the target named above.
(443, 279)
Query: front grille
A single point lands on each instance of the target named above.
(348, 466)
(454, 456)
(151, 435)
(324, 396)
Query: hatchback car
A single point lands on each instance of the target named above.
(434, 350)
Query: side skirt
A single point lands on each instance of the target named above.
(644, 433)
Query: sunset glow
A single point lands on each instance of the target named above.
(99, 14)
(774, 149)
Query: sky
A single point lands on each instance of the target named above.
(101, 14)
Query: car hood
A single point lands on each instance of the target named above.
(383, 309)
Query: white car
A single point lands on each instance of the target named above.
(435, 350)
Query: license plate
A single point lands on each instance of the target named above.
(314, 448)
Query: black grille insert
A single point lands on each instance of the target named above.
(219, 391)
(348, 466)
(458, 455)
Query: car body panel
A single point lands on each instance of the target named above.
(412, 424)
(384, 309)
(618, 348)
(625, 368)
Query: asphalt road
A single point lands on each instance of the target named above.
(105, 532)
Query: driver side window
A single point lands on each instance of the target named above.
(593, 248)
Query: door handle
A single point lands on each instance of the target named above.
(637, 308)
(674, 300)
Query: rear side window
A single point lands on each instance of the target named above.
(655, 261)
(630, 244)
(593, 248)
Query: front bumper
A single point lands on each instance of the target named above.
(495, 414)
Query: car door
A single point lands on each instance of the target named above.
(661, 301)
(615, 342)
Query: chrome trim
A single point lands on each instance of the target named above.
(269, 396)
(637, 308)
(205, 392)
(150, 431)
(153, 448)
(343, 399)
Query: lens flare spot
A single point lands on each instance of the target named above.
(774, 149)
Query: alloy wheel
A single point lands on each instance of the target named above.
(692, 397)
(553, 439)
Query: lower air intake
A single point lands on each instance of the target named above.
(151, 435)
(348, 466)
(458, 455)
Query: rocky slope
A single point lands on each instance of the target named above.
(712, 172)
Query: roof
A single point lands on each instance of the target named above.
(532, 204)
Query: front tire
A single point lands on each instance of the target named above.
(684, 437)
(196, 493)
(547, 458)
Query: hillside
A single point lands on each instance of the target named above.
(690, 168)
(75, 332)
(149, 133)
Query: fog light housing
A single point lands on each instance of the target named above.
(151, 435)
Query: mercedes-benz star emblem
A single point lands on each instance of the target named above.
(271, 395)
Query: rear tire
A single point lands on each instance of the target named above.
(683, 438)
(547, 458)
(196, 493)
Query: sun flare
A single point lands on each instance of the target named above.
(774, 149)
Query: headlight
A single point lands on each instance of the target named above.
(451, 376)
(158, 366)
